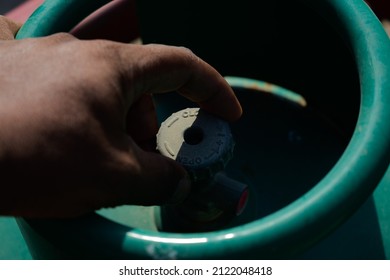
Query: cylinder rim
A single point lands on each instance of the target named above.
(335, 197)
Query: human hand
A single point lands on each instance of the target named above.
(76, 119)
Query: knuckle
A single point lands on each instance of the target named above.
(170, 52)
(188, 55)
(186, 51)
(61, 37)
(103, 55)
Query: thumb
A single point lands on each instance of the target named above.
(8, 28)
(158, 180)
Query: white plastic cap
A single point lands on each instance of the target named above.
(199, 141)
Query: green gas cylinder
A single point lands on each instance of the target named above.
(308, 166)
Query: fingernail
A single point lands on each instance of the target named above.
(182, 191)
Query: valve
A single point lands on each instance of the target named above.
(203, 144)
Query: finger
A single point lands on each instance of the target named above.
(386, 26)
(158, 180)
(141, 123)
(8, 28)
(162, 68)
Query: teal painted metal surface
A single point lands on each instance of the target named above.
(49, 17)
(381, 198)
(291, 229)
(251, 84)
(12, 244)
